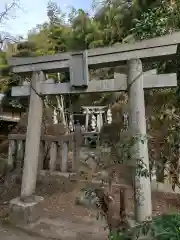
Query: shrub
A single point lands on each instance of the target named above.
(164, 227)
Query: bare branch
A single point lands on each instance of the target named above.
(4, 36)
(7, 39)
(7, 9)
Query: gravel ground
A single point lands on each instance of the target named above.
(9, 233)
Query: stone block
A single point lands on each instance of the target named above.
(64, 181)
(25, 212)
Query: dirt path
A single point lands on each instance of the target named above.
(8, 233)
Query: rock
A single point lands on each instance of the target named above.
(87, 198)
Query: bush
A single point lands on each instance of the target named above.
(119, 236)
(167, 227)
(164, 227)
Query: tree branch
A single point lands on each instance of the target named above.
(8, 7)
(4, 15)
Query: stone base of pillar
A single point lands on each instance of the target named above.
(25, 212)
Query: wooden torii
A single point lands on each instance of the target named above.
(134, 81)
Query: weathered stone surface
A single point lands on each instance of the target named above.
(10, 233)
(87, 197)
(85, 228)
(65, 181)
(22, 213)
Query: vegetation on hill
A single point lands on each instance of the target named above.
(162, 227)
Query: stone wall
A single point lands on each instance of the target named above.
(162, 202)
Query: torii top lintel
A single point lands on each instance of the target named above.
(155, 48)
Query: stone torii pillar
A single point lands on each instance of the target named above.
(137, 80)
(28, 202)
(100, 119)
(32, 139)
(137, 125)
(86, 112)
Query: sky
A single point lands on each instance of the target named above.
(33, 12)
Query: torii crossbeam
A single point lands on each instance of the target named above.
(152, 49)
(119, 83)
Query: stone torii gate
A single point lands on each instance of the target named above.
(134, 81)
(91, 110)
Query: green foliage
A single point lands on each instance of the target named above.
(167, 227)
(4, 73)
(26, 49)
(155, 22)
(163, 124)
(118, 236)
(54, 13)
(164, 227)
